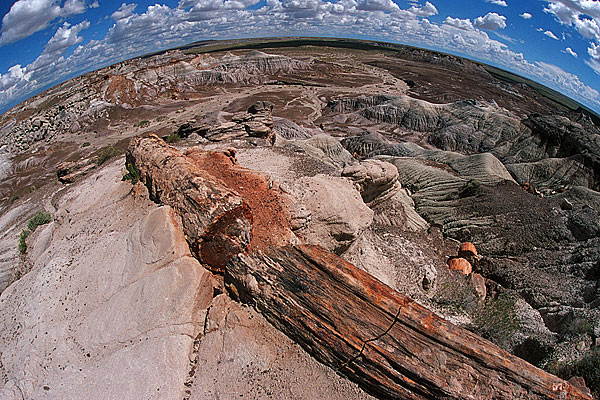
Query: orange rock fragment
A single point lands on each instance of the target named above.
(467, 249)
(460, 264)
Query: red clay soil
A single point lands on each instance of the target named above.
(270, 216)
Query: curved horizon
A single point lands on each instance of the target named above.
(553, 42)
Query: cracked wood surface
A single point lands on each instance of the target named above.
(390, 345)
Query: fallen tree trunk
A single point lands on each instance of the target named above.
(216, 221)
(388, 344)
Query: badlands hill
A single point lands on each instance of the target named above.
(299, 219)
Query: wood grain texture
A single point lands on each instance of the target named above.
(391, 346)
(216, 221)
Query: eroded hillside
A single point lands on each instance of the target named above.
(307, 145)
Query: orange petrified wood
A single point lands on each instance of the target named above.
(379, 338)
(460, 264)
(467, 249)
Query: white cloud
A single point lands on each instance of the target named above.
(567, 80)
(594, 65)
(464, 24)
(491, 21)
(594, 51)
(124, 11)
(27, 17)
(500, 3)
(570, 51)
(15, 74)
(377, 5)
(526, 15)
(73, 7)
(65, 36)
(583, 15)
(425, 11)
(551, 35)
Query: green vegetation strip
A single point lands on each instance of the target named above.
(40, 218)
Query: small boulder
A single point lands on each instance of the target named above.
(467, 249)
(460, 264)
(579, 383)
(478, 283)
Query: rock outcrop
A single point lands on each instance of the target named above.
(257, 122)
(337, 213)
(473, 127)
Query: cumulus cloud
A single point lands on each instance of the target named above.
(500, 3)
(464, 24)
(551, 35)
(27, 17)
(567, 80)
(66, 36)
(160, 27)
(14, 75)
(427, 10)
(491, 21)
(526, 15)
(378, 5)
(570, 51)
(583, 15)
(124, 11)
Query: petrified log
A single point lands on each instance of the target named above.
(216, 221)
(384, 341)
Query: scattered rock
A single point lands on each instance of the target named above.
(478, 283)
(70, 171)
(468, 251)
(460, 264)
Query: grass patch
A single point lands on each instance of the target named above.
(106, 153)
(161, 118)
(86, 144)
(40, 218)
(133, 174)
(143, 123)
(173, 138)
(22, 238)
(14, 197)
(497, 321)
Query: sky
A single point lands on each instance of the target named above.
(554, 42)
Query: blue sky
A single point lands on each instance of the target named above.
(555, 42)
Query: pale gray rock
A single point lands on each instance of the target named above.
(327, 149)
(243, 356)
(338, 213)
(111, 306)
